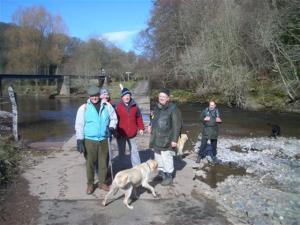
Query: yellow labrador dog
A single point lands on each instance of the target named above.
(180, 143)
(126, 180)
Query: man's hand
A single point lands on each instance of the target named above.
(218, 120)
(80, 146)
(141, 132)
(207, 118)
(173, 144)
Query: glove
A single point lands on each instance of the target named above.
(116, 133)
(80, 146)
(111, 130)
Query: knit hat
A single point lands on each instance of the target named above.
(125, 91)
(93, 90)
(104, 91)
(165, 91)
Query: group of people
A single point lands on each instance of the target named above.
(98, 119)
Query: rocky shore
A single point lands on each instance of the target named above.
(266, 187)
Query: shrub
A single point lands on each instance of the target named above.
(9, 159)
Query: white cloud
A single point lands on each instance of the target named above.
(122, 39)
(119, 36)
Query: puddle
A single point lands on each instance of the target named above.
(218, 173)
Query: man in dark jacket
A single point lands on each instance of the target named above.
(211, 120)
(165, 129)
(130, 124)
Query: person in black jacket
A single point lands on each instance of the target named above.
(165, 129)
(211, 120)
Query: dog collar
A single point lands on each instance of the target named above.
(148, 166)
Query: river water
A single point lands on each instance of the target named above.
(43, 119)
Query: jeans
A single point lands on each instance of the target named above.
(134, 153)
(203, 152)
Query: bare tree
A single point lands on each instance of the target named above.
(271, 33)
(35, 41)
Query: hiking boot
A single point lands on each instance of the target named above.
(210, 159)
(215, 160)
(90, 189)
(168, 179)
(161, 175)
(104, 187)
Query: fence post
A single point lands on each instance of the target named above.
(12, 98)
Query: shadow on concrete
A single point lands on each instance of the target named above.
(124, 162)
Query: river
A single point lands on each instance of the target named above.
(43, 119)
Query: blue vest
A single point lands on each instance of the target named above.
(96, 125)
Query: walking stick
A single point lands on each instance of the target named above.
(110, 156)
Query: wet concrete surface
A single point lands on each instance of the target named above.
(182, 210)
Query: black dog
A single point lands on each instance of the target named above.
(275, 130)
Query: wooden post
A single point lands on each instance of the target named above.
(12, 98)
(1, 87)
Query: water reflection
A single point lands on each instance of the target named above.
(218, 173)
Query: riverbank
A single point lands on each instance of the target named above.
(254, 101)
(263, 185)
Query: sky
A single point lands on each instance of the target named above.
(119, 21)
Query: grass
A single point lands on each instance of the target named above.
(114, 88)
(269, 94)
(10, 156)
(178, 95)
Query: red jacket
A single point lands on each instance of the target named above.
(130, 119)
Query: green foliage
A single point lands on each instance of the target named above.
(179, 95)
(9, 158)
(269, 94)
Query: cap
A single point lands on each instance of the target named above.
(165, 91)
(104, 91)
(93, 90)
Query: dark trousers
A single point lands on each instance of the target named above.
(203, 148)
(96, 151)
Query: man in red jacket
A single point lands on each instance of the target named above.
(130, 124)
